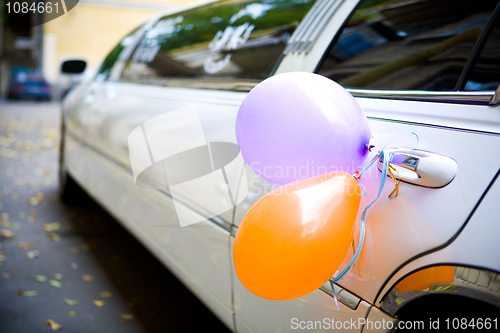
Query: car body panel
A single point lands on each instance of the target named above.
(150, 216)
(413, 223)
(475, 246)
(109, 114)
(111, 117)
(378, 317)
(402, 228)
(100, 115)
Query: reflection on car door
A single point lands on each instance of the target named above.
(151, 214)
(377, 50)
(161, 75)
(399, 48)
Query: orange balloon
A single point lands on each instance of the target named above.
(295, 237)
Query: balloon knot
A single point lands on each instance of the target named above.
(357, 175)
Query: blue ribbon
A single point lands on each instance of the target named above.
(362, 231)
(386, 160)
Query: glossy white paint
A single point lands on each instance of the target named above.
(100, 116)
(150, 216)
(475, 246)
(454, 116)
(241, 327)
(377, 317)
(419, 219)
(74, 159)
(114, 111)
(113, 115)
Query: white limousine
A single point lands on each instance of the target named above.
(169, 94)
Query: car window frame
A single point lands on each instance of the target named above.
(119, 65)
(456, 96)
(478, 48)
(216, 83)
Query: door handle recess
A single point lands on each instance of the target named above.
(421, 167)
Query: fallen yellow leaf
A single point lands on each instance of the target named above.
(7, 233)
(55, 283)
(33, 201)
(25, 246)
(27, 293)
(105, 294)
(72, 250)
(98, 303)
(41, 278)
(54, 237)
(127, 316)
(55, 326)
(51, 226)
(32, 254)
(71, 301)
(88, 278)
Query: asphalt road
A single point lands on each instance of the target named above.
(74, 265)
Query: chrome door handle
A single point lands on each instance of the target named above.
(421, 167)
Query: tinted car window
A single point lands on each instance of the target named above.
(485, 74)
(227, 39)
(406, 44)
(113, 56)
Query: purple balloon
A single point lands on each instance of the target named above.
(298, 125)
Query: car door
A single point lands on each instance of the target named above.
(410, 67)
(196, 65)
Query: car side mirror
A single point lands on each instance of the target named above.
(73, 66)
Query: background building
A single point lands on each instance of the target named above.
(88, 31)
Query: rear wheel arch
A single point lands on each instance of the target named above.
(445, 291)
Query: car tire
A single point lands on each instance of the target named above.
(437, 309)
(69, 190)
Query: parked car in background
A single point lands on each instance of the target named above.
(429, 67)
(28, 84)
